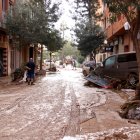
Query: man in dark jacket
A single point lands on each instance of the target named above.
(30, 66)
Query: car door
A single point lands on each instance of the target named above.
(126, 64)
(110, 66)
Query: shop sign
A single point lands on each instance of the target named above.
(109, 49)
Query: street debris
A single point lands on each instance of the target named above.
(125, 133)
(69, 138)
(131, 110)
(60, 107)
(99, 81)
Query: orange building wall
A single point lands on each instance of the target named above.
(0, 10)
(4, 40)
(7, 3)
(115, 30)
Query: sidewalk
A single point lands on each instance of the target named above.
(5, 79)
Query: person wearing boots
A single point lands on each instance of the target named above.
(30, 66)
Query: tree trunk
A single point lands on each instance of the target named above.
(41, 57)
(137, 48)
(50, 60)
(35, 53)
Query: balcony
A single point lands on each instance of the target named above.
(116, 28)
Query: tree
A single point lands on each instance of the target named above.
(89, 34)
(131, 10)
(32, 21)
(90, 42)
(88, 9)
(54, 41)
(69, 50)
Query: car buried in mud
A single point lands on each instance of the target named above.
(121, 67)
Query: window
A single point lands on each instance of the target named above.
(122, 58)
(132, 57)
(31, 49)
(126, 48)
(127, 57)
(3, 5)
(110, 61)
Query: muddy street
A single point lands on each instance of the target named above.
(58, 107)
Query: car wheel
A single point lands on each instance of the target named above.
(84, 73)
(132, 80)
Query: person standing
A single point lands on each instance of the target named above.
(30, 66)
(74, 64)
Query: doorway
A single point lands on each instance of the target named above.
(31, 52)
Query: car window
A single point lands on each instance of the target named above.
(122, 58)
(110, 61)
(132, 57)
(126, 57)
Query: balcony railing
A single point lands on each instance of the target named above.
(114, 28)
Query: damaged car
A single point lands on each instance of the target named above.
(122, 66)
(86, 67)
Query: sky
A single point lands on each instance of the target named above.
(66, 17)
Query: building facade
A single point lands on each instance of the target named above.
(4, 40)
(117, 36)
(11, 57)
(118, 39)
(100, 51)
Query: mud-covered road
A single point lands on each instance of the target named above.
(59, 106)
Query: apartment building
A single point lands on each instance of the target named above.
(118, 39)
(10, 56)
(4, 40)
(101, 54)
